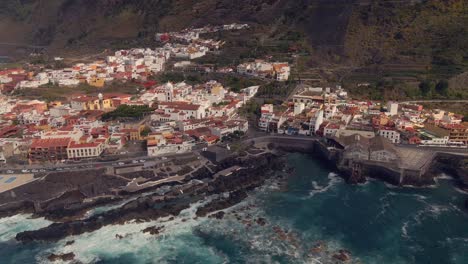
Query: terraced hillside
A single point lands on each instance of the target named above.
(407, 41)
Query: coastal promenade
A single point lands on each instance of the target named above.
(413, 158)
(258, 138)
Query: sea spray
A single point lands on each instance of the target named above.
(10, 226)
(410, 222)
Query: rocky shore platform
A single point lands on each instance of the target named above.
(254, 170)
(60, 195)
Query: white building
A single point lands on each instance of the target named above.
(86, 149)
(390, 134)
(162, 146)
(392, 108)
(298, 108)
(266, 117)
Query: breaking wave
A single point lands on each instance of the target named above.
(10, 226)
(333, 178)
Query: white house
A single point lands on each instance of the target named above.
(390, 134)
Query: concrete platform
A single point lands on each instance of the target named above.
(414, 159)
(11, 181)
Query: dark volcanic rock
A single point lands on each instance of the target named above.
(261, 221)
(319, 247)
(222, 203)
(62, 257)
(455, 165)
(59, 193)
(255, 171)
(342, 255)
(153, 230)
(219, 215)
(71, 242)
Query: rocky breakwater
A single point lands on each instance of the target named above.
(255, 170)
(455, 165)
(452, 164)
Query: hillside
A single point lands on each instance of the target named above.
(351, 40)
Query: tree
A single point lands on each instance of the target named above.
(426, 87)
(442, 87)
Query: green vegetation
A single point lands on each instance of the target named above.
(174, 77)
(10, 65)
(235, 136)
(145, 132)
(250, 110)
(223, 103)
(52, 92)
(236, 83)
(128, 111)
(455, 107)
(426, 87)
(442, 87)
(420, 47)
(277, 89)
(394, 89)
(18, 9)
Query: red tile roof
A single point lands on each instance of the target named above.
(50, 143)
(180, 105)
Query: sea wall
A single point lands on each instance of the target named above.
(287, 143)
(453, 164)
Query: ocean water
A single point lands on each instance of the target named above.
(376, 222)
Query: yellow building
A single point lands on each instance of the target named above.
(97, 82)
(134, 130)
(217, 90)
(85, 102)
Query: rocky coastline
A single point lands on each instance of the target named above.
(67, 209)
(255, 170)
(452, 164)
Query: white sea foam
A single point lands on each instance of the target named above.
(437, 210)
(391, 186)
(444, 176)
(460, 190)
(104, 243)
(418, 197)
(334, 179)
(457, 239)
(404, 230)
(10, 226)
(384, 201)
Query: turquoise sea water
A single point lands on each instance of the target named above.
(375, 222)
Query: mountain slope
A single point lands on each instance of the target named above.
(431, 35)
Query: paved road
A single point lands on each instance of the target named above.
(143, 159)
(434, 101)
(86, 165)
